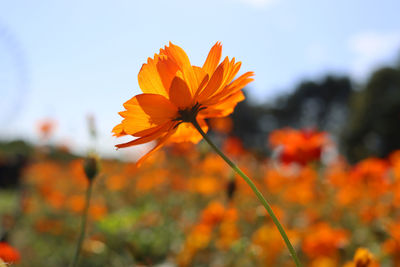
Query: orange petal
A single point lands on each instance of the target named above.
(160, 142)
(187, 133)
(178, 55)
(202, 85)
(148, 138)
(224, 107)
(167, 69)
(213, 58)
(149, 78)
(233, 70)
(179, 93)
(118, 130)
(200, 74)
(213, 84)
(230, 70)
(239, 83)
(231, 89)
(146, 111)
(148, 131)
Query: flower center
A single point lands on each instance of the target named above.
(189, 114)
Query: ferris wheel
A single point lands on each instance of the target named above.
(13, 77)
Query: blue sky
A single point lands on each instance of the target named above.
(74, 58)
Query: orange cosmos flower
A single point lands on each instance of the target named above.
(176, 93)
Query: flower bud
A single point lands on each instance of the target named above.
(91, 167)
(231, 189)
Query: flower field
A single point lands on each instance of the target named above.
(185, 207)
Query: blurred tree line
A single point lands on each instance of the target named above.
(15, 155)
(364, 119)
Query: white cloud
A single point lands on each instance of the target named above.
(372, 49)
(259, 3)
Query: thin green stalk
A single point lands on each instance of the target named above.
(83, 225)
(263, 201)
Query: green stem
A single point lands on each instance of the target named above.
(83, 225)
(263, 201)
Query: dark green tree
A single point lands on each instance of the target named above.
(374, 125)
(323, 105)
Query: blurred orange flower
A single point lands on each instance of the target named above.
(267, 245)
(76, 203)
(176, 93)
(299, 146)
(197, 239)
(52, 226)
(324, 262)
(233, 146)
(229, 231)
(392, 245)
(222, 125)
(370, 175)
(9, 254)
(204, 185)
(324, 241)
(46, 128)
(370, 171)
(97, 211)
(116, 182)
(213, 214)
(395, 162)
(363, 258)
